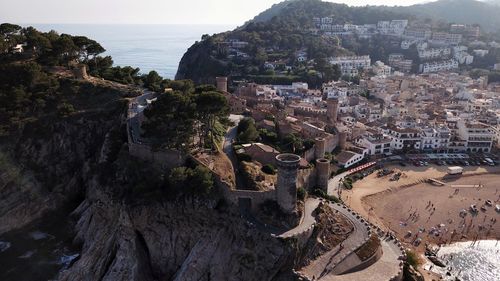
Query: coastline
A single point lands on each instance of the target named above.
(471, 261)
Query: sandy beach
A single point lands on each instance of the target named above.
(430, 212)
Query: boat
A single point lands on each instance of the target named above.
(436, 261)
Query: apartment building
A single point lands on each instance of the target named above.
(478, 137)
(437, 66)
(349, 65)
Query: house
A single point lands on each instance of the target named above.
(259, 152)
(347, 159)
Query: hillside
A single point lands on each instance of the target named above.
(283, 44)
(279, 35)
(459, 11)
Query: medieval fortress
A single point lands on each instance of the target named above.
(343, 264)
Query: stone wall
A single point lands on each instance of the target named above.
(166, 159)
(306, 178)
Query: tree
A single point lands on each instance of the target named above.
(210, 106)
(153, 81)
(197, 181)
(170, 121)
(247, 131)
(65, 49)
(292, 143)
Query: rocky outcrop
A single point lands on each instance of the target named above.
(48, 165)
(187, 240)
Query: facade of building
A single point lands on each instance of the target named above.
(437, 66)
(349, 65)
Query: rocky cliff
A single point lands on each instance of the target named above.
(124, 234)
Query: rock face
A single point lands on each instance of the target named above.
(47, 167)
(187, 240)
(83, 159)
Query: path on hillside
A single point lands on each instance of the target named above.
(326, 263)
(307, 221)
(227, 148)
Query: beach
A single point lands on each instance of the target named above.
(421, 213)
(413, 205)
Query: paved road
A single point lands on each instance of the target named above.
(333, 184)
(308, 220)
(137, 106)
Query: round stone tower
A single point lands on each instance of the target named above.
(319, 148)
(322, 173)
(332, 108)
(221, 84)
(286, 188)
(80, 72)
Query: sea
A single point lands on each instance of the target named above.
(469, 261)
(149, 47)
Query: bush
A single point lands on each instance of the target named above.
(412, 259)
(269, 169)
(197, 181)
(320, 193)
(244, 157)
(301, 193)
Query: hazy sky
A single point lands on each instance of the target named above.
(146, 11)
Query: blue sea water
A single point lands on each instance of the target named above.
(149, 47)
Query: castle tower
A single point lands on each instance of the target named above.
(221, 84)
(322, 173)
(319, 148)
(80, 72)
(286, 188)
(332, 108)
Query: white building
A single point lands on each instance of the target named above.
(403, 138)
(380, 69)
(478, 137)
(418, 33)
(347, 159)
(437, 66)
(480, 52)
(434, 53)
(350, 65)
(375, 142)
(435, 139)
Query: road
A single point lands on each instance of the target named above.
(137, 106)
(227, 148)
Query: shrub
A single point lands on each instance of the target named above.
(301, 193)
(412, 258)
(320, 193)
(269, 169)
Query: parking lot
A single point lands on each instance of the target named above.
(452, 159)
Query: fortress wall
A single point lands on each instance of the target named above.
(257, 197)
(362, 264)
(306, 178)
(166, 159)
(332, 141)
(309, 154)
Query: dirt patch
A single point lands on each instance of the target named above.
(255, 179)
(331, 229)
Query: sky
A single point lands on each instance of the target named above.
(147, 11)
